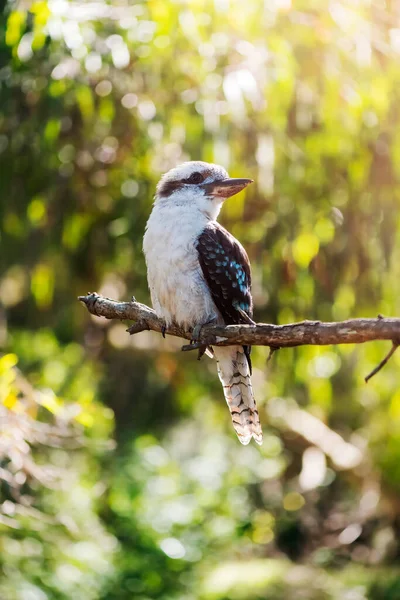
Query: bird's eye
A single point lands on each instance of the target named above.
(195, 178)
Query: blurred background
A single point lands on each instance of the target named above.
(120, 474)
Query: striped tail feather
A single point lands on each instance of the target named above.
(234, 373)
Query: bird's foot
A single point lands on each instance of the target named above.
(163, 330)
(195, 338)
(196, 331)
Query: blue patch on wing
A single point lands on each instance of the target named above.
(226, 269)
(242, 305)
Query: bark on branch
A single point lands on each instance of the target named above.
(352, 331)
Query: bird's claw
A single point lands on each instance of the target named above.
(201, 352)
(195, 338)
(163, 330)
(196, 334)
(196, 331)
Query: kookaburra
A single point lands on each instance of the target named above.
(199, 273)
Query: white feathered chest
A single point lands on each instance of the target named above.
(178, 290)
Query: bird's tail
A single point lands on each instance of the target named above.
(234, 373)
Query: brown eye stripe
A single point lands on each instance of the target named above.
(166, 188)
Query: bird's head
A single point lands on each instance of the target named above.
(198, 184)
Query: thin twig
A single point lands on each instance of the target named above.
(138, 327)
(272, 350)
(383, 362)
(198, 345)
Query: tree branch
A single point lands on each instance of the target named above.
(352, 331)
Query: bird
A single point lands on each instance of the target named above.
(198, 273)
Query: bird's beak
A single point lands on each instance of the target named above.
(226, 188)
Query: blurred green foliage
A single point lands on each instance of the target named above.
(120, 476)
